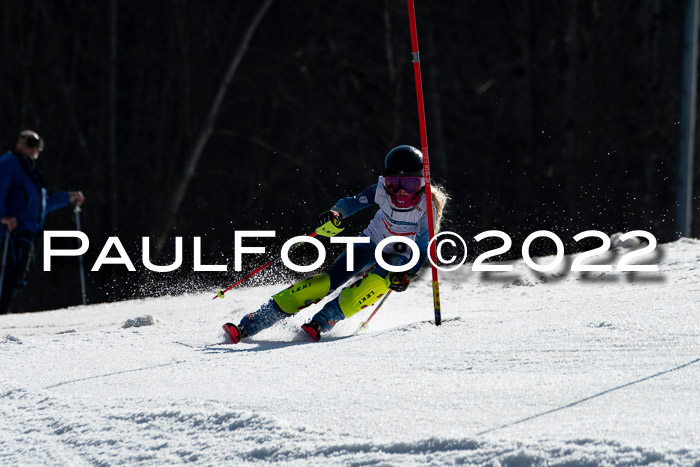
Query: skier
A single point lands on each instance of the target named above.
(400, 195)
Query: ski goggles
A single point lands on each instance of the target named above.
(410, 184)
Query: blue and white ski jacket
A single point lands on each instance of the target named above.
(389, 220)
(23, 196)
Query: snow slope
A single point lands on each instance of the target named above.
(525, 370)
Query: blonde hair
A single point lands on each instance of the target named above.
(440, 199)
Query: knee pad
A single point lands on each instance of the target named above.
(303, 293)
(362, 294)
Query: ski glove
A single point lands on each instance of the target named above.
(329, 224)
(399, 281)
(330, 216)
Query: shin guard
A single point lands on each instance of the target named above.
(303, 293)
(362, 294)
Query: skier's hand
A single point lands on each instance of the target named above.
(399, 281)
(329, 224)
(76, 197)
(330, 216)
(10, 222)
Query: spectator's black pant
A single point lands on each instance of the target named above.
(19, 259)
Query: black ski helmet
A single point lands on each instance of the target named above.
(405, 161)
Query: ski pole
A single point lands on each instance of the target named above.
(379, 305)
(5, 246)
(221, 293)
(426, 160)
(76, 210)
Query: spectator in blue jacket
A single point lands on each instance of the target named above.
(24, 204)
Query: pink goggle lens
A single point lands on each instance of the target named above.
(410, 184)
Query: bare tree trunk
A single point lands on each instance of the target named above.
(569, 113)
(393, 79)
(183, 44)
(113, 177)
(436, 110)
(178, 196)
(655, 122)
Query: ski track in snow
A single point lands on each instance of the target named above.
(527, 369)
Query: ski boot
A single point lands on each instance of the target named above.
(313, 329)
(235, 333)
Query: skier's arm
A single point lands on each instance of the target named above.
(63, 198)
(8, 168)
(399, 281)
(56, 201)
(346, 207)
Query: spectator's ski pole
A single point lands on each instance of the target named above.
(376, 309)
(76, 210)
(221, 293)
(6, 244)
(426, 161)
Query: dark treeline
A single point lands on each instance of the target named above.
(557, 115)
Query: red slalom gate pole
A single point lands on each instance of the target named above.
(426, 160)
(221, 293)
